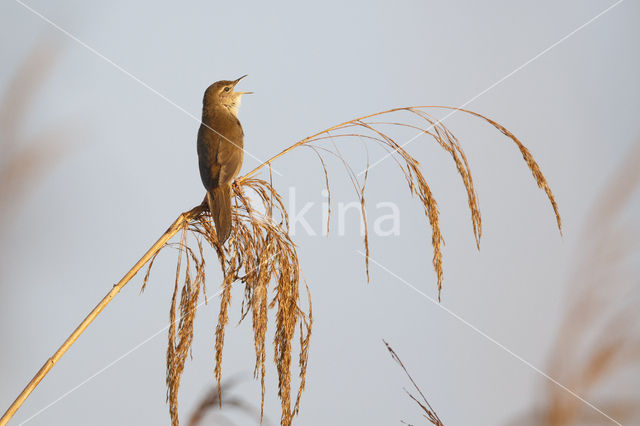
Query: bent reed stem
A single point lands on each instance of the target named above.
(288, 312)
(337, 126)
(178, 224)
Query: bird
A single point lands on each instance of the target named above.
(220, 150)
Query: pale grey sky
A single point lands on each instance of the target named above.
(132, 169)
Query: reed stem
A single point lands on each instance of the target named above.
(178, 224)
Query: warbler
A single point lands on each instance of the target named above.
(220, 150)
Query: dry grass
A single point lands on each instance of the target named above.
(369, 129)
(599, 340)
(261, 255)
(429, 413)
(260, 251)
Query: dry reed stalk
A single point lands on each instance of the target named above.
(599, 338)
(429, 412)
(177, 225)
(260, 251)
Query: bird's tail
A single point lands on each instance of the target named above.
(219, 200)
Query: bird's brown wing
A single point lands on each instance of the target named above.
(229, 155)
(230, 161)
(208, 145)
(220, 157)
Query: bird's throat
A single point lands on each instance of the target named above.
(234, 106)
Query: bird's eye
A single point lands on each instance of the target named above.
(226, 89)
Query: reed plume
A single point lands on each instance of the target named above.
(261, 255)
(261, 250)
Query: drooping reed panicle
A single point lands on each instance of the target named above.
(260, 252)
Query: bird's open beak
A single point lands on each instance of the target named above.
(237, 81)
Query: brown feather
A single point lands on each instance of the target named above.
(219, 200)
(220, 151)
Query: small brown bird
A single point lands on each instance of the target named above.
(220, 150)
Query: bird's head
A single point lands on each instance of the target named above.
(222, 93)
